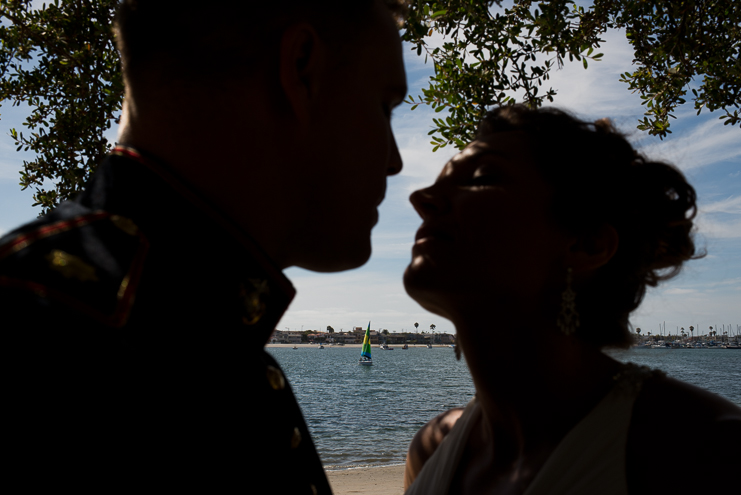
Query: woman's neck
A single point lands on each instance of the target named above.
(533, 383)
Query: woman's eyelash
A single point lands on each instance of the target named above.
(487, 178)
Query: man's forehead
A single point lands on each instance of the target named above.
(379, 55)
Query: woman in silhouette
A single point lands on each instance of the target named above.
(538, 241)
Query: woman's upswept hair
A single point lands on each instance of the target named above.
(598, 178)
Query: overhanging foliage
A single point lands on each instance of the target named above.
(61, 62)
(488, 56)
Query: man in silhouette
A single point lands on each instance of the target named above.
(136, 315)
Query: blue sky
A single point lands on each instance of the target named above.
(708, 292)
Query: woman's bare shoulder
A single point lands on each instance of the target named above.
(679, 400)
(675, 420)
(426, 441)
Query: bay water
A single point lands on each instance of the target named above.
(367, 415)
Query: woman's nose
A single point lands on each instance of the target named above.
(428, 202)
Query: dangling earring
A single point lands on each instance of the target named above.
(568, 318)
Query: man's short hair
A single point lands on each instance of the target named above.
(201, 41)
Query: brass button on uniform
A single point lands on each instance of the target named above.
(253, 293)
(71, 266)
(296, 438)
(275, 378)
(125, 224)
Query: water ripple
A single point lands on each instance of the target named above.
(367, 415)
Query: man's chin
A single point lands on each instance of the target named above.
(337, 261)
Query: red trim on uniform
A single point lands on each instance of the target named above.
(22, 241)
(123, 307)
(129, 152)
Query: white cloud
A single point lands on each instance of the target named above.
(421, 164)
(597, 91)
(720, 219)
(719, 230)
(728, 205)
(705, 144)
(680, 291)
(680, 307)
(349, 299)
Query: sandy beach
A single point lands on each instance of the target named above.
(368, 481)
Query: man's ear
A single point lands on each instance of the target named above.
(303, 58)
(591, 251)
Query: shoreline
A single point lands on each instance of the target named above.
(352, 467)
(373, 346)
(375, 480)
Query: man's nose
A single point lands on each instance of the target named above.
(394, 163)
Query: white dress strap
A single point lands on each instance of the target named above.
(591, 457)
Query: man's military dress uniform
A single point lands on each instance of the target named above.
(134, 323)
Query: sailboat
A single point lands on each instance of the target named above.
(365, 353)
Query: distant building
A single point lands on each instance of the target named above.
(395, 338)
(281, 337)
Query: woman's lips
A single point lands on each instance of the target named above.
(426, 233)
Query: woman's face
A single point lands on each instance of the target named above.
(487, 232)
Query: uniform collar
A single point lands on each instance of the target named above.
(267, 294)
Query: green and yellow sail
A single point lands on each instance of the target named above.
(365, 352)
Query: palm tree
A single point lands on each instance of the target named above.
(432, 327)
(416, 325)
(692, 329)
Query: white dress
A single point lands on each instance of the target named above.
(589, 460)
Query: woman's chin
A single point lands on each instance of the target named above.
(426, 288)
(418, 274)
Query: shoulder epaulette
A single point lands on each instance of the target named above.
(91, 263)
